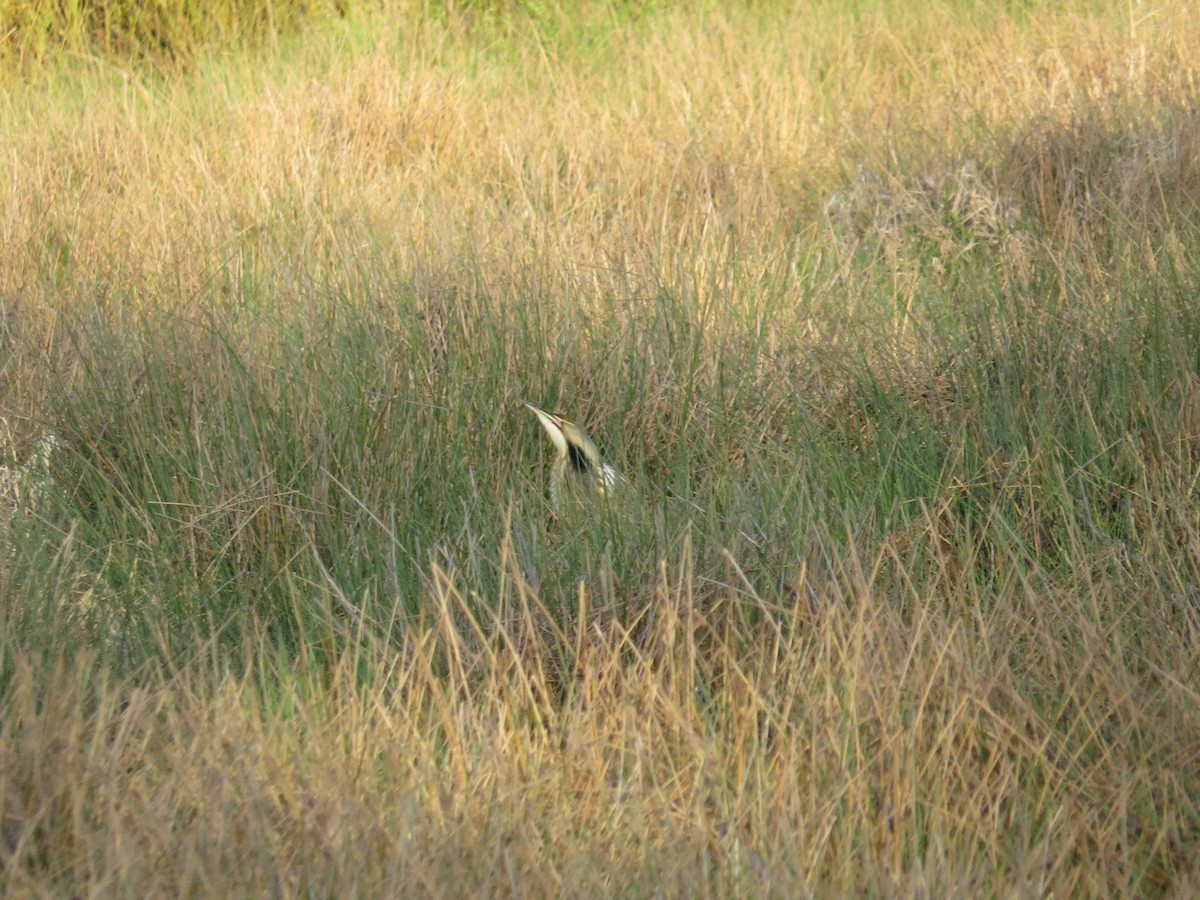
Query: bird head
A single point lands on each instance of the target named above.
(553, 423)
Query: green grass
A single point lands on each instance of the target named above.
(894, 339)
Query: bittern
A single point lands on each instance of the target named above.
(578, 473)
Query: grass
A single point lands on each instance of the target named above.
(888, 317)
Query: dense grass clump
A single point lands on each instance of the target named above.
(165, 33)
(895, 341)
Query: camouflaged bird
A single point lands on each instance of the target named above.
(579, 477)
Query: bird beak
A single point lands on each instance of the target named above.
(552, 429)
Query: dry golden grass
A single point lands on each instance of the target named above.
(289, 624)
(556, 163)
(860, 750)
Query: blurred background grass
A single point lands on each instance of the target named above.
(887, 314)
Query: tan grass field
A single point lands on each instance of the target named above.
(888, 314)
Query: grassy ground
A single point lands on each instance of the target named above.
(888, 315)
